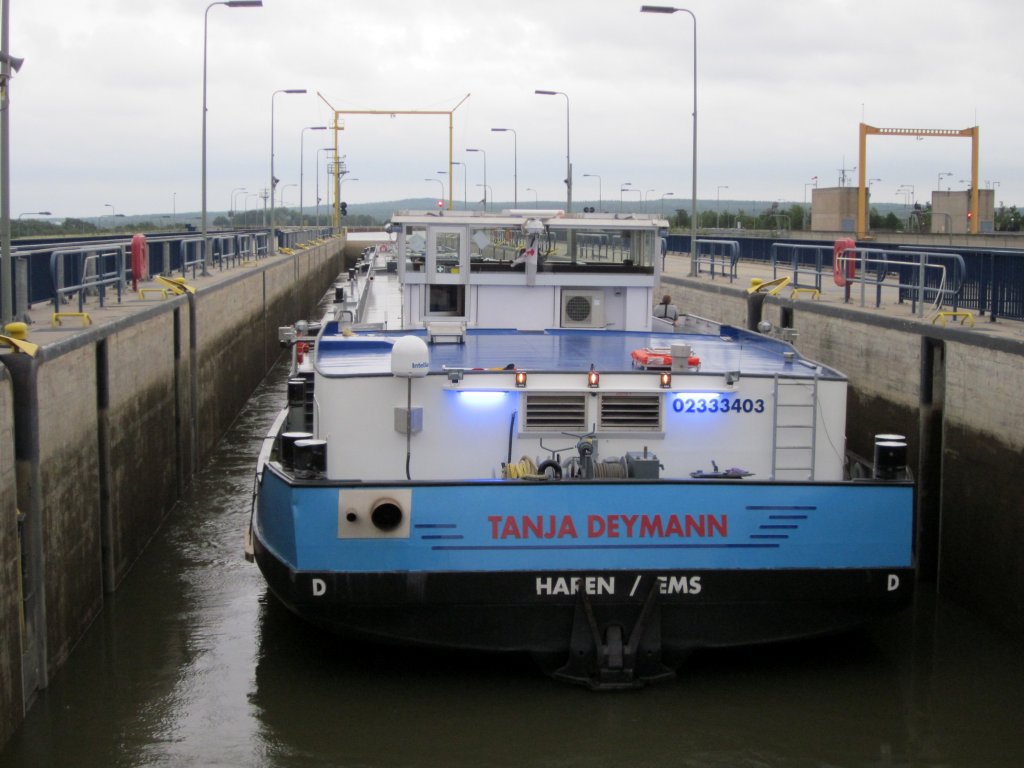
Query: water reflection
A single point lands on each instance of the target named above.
(192, 663)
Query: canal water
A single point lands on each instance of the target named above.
(192, 663)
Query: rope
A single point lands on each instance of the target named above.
(524, 469)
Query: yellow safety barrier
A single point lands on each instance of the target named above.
(773, 286)
(285, 251)
(815, 293)
(176, 285)
(161, 291)
(965, 317)
(58, 316)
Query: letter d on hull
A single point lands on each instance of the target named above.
(893, 582)
(320, 587)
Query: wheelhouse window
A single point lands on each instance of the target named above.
(415, 248)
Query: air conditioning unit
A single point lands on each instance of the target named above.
(582, 308)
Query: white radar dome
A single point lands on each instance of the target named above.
(410, 357)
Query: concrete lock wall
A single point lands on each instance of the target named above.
(10, 571)
(100, 435)
(953, 394)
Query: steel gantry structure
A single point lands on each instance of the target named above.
(870, 130)
(338, 126)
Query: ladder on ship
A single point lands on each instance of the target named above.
(794, 428)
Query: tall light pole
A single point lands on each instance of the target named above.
(693, 194)
(667, 194)
(245, 205)
(718, 205)
(317, 160)
(941, 175)
(35, 213)
(113, 212)
(484, 185)
(568, 158)
(273, 181)
(302, 164)
(234, 192)
(646, 198)
(464, 186)
(536, 202)
(229, 4)
(451, 189)
(515, 163)
(622, 188)
(442, 189)
(7, 64)
(595, 176)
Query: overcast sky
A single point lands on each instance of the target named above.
(106, 111)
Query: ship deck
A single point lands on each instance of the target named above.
(565, 350)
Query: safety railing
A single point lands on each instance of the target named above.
(34, 280)
(925, 277)
(77, 271)
(721, 254)
(807, 263)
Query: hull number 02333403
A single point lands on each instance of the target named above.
(723, 405)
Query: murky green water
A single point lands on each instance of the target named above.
(193, 664)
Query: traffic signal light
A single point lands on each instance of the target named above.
(344, 209)
(440, 203)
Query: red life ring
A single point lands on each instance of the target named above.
(841, 273)
(140, 260)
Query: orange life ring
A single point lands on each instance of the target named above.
(841, 273)
(140, 260)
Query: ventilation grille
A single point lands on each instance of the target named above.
(582, 309)
(631, 412)
(556, 412)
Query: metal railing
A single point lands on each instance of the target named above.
(77, 271)
(725, 254)
(924, 277)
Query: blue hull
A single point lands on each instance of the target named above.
(578, 569)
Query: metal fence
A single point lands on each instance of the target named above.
(69, 271)
(992, 280)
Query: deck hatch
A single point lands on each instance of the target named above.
(555, 412)
(641, 411)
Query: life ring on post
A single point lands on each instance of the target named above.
(140, 260)
(843, 267)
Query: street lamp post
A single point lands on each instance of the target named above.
(693, 194)
(568, 158)
(234, 193)
(283, 190)
(245, 205)
(487, 191)
(229, 4)
(484, 185)
(667, 194)
(35, 213)
(599, 197)
(646, 197)
(941, 175)
(302, 165)
(442, 189)
(515, 163)
(113, 212)
(273, 181)
(317, 159)
(536, 202)
(718, 206)
(464, 190)
(622, 188)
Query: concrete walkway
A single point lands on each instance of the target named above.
(677, 265)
